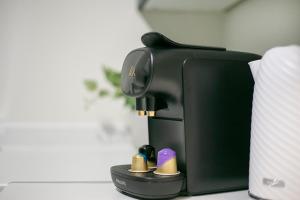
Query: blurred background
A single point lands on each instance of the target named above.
(59, 65)
(47, 48)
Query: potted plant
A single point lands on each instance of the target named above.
(137, 126)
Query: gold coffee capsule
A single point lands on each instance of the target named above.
(138, 164)
(166, 162)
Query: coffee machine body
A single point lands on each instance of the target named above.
(198, 101)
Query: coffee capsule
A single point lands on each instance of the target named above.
(166, 162)
(139, 164)
(151, 165)
(149, 152)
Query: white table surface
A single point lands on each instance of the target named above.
(69, 174)
(88, 191)
(31, 171)
(61, 164)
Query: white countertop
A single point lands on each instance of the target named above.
(88, 191)
(66, 166)
(63, 175)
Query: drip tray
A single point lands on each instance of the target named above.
(146, 185)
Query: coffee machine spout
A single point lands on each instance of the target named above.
(146, 106)
(140, 106)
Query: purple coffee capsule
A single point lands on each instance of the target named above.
(166, 162)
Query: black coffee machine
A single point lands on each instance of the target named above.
(198, 101)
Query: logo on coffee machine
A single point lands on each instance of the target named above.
(131, 72)
(273, 182)
(121, 182)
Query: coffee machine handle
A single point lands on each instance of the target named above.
(158, 40)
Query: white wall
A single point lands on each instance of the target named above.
(257, 25)
(252, 25)
(203, 28)
(48, 47)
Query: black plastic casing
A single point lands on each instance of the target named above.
(204, 104)
(146, 185)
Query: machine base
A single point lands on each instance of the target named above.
(146, 185)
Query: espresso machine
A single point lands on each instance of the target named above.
(198, 101)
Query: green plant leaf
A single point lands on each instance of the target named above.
(118, 93)
(130, 102)
(113, 77)
(91, 85)
(103, 93)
